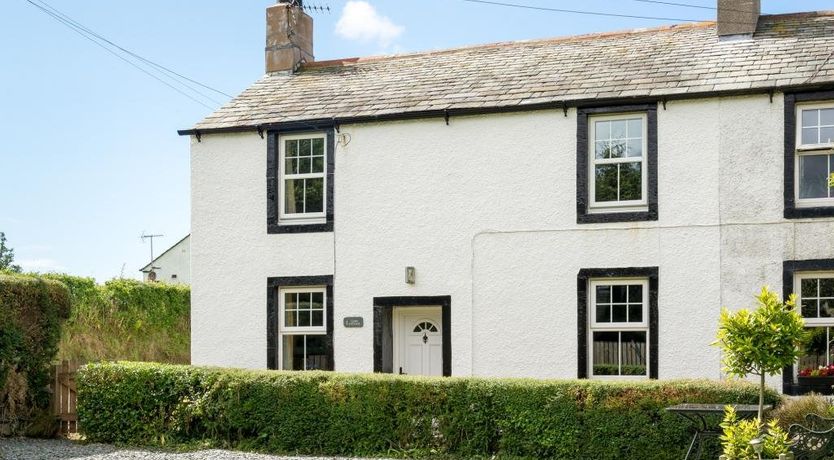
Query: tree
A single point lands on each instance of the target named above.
(761, 342)
(7, 256)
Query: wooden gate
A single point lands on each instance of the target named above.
(64, 396)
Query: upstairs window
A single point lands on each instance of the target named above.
(814, 157)
(302, 178)
(618, 162)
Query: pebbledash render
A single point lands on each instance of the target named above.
(576, 207)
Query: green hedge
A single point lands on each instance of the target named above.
(372, 415)
(126, 319)
(31, 313)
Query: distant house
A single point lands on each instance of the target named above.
(172, 266)
(578, 207)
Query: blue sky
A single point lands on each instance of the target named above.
(90, 156)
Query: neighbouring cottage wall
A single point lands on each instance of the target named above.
(174, 261)
(485, 209)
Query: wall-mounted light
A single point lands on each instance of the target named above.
(410, 275)
(343, 139)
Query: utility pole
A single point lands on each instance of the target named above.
(150, 237)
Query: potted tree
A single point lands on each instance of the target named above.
(760, 342)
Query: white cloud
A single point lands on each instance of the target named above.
(361, 22)
(40, 265)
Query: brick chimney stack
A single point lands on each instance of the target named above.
(738, 17)
(289, 36)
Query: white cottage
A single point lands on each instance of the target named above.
(173, 266)
(560, 208)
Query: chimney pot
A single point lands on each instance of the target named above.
(289, 36)
(738, 17)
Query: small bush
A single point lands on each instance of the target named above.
(31, 313)
(386, 415)
(793, 410)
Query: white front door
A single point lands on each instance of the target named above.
(418, 341)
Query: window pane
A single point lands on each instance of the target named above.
(633, 353)
(304, 148)
(304, 165)
(809, 287)
(809, 308)
(810, 135)
(618, 129)
(315, 195)
(603, 294)
(304, 300)
(631, 181)
(635, 293)
(291, 166)
(318, 300)
(292, 358)
(318, 318)
(618, 149)
(602, 130)
(604, 313)
(827, 287)
(316, 352)
(601, 149)
(293, 196)
(817, 350)
(635, 313)
(318, 165)
(291, 148)
(303, 318)
(827, 117)
(318, 146)
(813, 176)
(826, 135)
(635, 128)
(618, 313)
(606, 182)
(289, 301)
(606, 351)
(810, 117)
(635, 148)
(826, 308)
(619, 293)
(290, 319)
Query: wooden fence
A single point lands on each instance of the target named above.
(64, 396)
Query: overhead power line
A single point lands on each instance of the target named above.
(589, 13)
(151, 69)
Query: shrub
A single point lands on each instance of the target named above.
(126, 319)
(793, 410)
(386, 415)
(739, 433)
(31, 313)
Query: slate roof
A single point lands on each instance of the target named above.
(786, 51)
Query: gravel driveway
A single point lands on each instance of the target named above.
(56, 449)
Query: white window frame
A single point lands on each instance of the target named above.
(619, 206)
(593, 326)
(797, 289)
(810, 149)
(296, 330)
(283, 176)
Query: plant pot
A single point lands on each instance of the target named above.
(788, 456)
(820, 385)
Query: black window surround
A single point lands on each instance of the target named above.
(789, 270)
(273, 321)
(583, 216)
(791, 210)
(582, 283)
(273, 187)
(383, 305)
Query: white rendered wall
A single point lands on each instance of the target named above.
(174, 265)
(485, 209)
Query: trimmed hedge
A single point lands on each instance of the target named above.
(31, 313)
(371, 415)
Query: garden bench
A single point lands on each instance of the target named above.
(814, 440)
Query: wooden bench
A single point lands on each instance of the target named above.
(814, 440)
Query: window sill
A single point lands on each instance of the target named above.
(808, 212)
(320, 227)
(611, 215)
